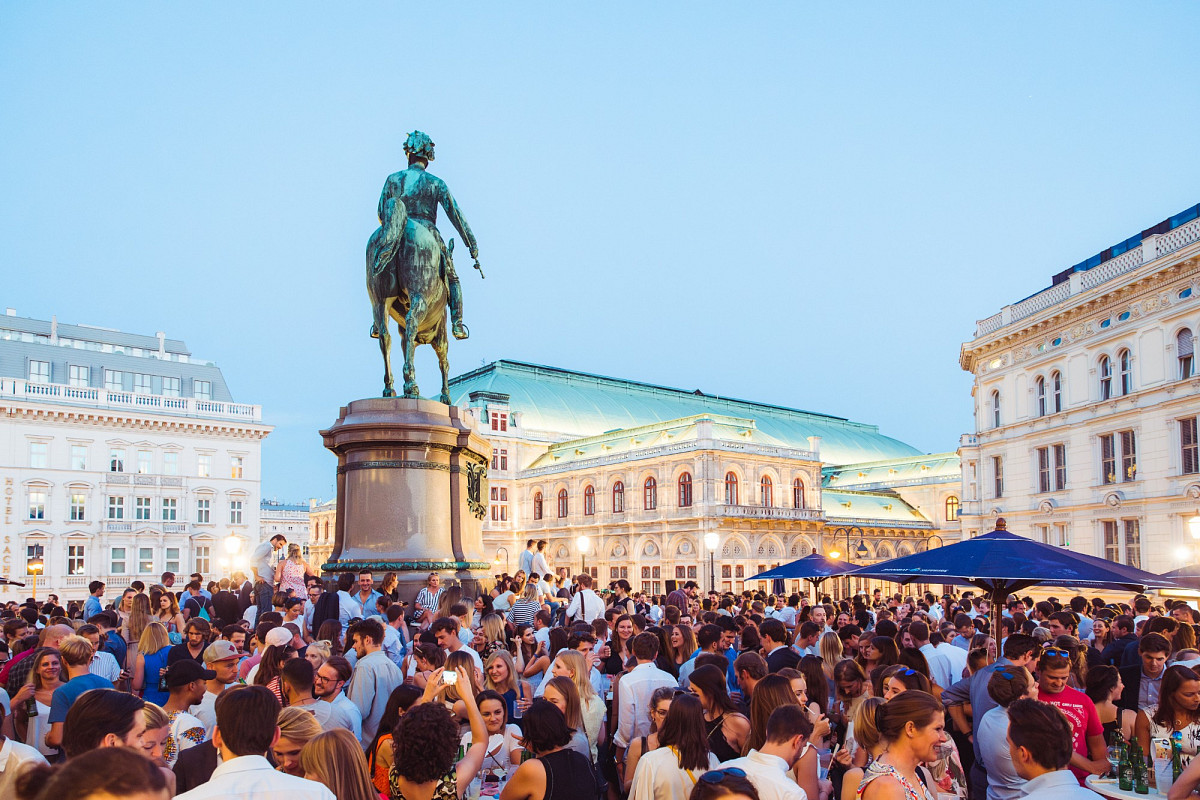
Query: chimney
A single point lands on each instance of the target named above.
(162, 345)
(10, 312)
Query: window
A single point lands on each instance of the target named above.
(203, 465)
(562, 503)
(145, 560)
(204, 511)
(235, 512)
(141, 384)
(202, 390)
(1118, 457)
(537, 505)
(78, 507)
(726, 571)
(998, 476)
(141, 508)
(172, 559)
(75, 559)
(79, 377)
(650, 494)
(685, 490)
(170, 463)
(680, 573)
(1184, 348)
(37, 504)
(171, 387)
(170, 509)
(33, 551)
(39, 371)
(37, 454)
(617, 573)
(996, 408)
(952, 506)
(116, 459)
(203, 559)
(79, 456)
(116, 507)
(500, 458)
(618, 506)
(1189, 453)
(731, 489)
(114, 381)
(236, 466)
(499, 504)
(1052, 468)
(1125, 371)
(739, 571)
(798, 494)
(1105, 378)
(1040, 391)
(145, 462)
(1056, 390)
(116, 560)
(499, 420)
(589, 501)
(766, 492)
(1133, 543)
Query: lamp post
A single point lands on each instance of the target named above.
(861, 551)
(497, 562)
(712, 540)
(583, 543)
(35, 565)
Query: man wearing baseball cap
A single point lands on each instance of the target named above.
(185, 681)
(222, 658)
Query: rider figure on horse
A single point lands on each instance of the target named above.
(421, 193)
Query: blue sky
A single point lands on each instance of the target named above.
(801, 204)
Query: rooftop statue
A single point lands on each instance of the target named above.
(410, 270)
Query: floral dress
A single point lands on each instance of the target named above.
(446, 788)
(877, 769)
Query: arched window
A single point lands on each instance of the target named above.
(731, 489)
(1056, 390)
(1125, 370)
(650, 494)
(562, 503)
(951, 508)
(589, 501)
(685, 490)
(766, 492)
(797, 493)
(1184, 348)
(1040, 390)
(327, 530)
(1105, 378)
(537, 505)
(618, 497)
(996, 408)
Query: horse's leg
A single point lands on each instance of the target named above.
(385, 345)
(416, 307)
(440, 346)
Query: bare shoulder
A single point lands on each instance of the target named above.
(885, 787)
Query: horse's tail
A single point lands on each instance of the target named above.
(385, 242)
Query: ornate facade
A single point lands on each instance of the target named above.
(1086, 403)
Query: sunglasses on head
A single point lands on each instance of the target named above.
(1003, 673)
(906, 671)
(1056, 651)
(718, 775)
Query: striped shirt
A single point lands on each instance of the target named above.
(427, 600)
(523, 612)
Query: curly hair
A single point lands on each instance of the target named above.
(425, 741)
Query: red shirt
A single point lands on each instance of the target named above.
(1085, 721)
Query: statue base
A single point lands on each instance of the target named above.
(411, 493)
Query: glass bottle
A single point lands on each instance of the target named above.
(1140, 786)
(1176, 758)
(1125, 770)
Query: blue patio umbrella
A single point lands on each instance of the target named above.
(1002, 563)
(1188, 576)
(814, 568)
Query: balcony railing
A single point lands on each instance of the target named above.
(20, 389)
(771, 512)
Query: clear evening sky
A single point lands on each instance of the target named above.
(801, 204)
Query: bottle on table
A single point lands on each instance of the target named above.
(1125, 768)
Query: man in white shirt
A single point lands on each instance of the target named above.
(770, 767)
(586, 605)
(375, 676)
(540, 565)
(246, 729)
(393, 639)
(296, 679)
(939, 665)
(222, 658)
(446, 631)
(525, 562)
(103, 664)
(15, 758)
(955, 655)
(635, 689)
(1039, 741)
(328, 681)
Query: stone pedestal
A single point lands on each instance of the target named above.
(411, 492)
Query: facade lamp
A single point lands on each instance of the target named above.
(1194, 526)
(584, 544)
(712, 540)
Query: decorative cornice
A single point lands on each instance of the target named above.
(341, 565)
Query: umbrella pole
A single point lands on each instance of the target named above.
(999, 598)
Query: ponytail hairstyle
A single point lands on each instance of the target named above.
(919, 708)
(865, 731)
(1009, 683)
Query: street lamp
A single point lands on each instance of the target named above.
(584, 544)
(1194, 526)
(35, 565)
(712, 541)
(497, 562)
(861, 551)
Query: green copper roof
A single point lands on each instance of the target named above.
(570, 404)
(870, 508)
(918, 470)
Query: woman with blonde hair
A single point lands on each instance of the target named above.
(500, 675)
(561, 692)
(451, 597)
(830, 646)
(863, 746)
(140, 615)
(297, 728)
(153, 741)
(493, 635)
(46, 675)
(571, 664)
(461, 661)
(335, 759)
(290, 572)
(151, 663)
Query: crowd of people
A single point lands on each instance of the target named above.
(546, 687)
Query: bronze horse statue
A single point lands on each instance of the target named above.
(406, 280)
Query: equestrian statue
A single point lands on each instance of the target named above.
(410, 270)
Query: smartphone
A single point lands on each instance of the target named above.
(449, 678)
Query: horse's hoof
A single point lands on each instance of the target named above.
(375, 335)
(412, 392)
(444, 398)
(389, 392)
(460, 331)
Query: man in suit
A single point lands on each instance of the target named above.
(775, 646)
(1123, 634)
(1143, 680)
